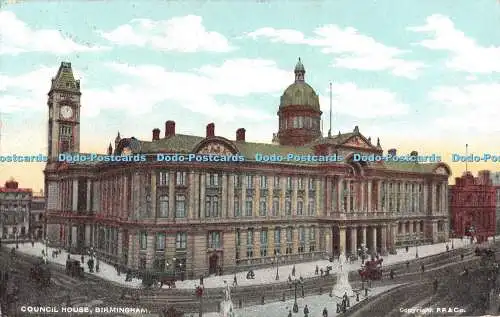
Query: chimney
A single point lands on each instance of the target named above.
(392, 152)
(156, 134)
(169, 128)
(240, 135)
(210, 130)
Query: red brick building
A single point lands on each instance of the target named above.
(472, 206)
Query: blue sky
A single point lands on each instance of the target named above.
(418, 74)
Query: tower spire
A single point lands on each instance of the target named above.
(300, 72)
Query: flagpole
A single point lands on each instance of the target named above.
(330, 130)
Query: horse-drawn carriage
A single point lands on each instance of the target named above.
(372, 270)
(158, 279)
(73, 268)
(40, 273)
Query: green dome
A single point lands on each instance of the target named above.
(300, 94)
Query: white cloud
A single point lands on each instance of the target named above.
(181, 34)
(469, 109)
(351, 49)
(17, 37)
(349, 99)
(201, 91)
(467, 55)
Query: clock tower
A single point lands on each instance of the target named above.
(64, 113)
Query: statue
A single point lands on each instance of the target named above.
(342, 288)
(226, 308)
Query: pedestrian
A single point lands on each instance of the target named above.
(406, 249)
(306, 311)
(321, 271)
(201, 279)
(302, 290)
(316, 271)
(289, 278)
(357, 297)
(325, 312)
(82, 259)
(447, 248)
(235, 281)
(32, 243)
(97, 266)
(366, 292)
(408, 265)
(423, 268)
(391, 274)
(435, 285)
(293, 271)
(462, 256)
(290, 313)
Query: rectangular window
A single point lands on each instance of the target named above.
(289, 183)
(276, 182)
(312, 207)
(144, 240)
(248, 207)
(263, 182)
(277, 241)
(238, 243)
(289, 240)
(250, 243)
(163, 206)
(214, 240)
(181, 241)
(276, 206)
(180, 178)
(263, 207)
(311, 183)
(142, 263)
(263, 243)
(249, 181)
(180, 206)
(163, 179)
(160, 241)
(301, 183)
(312, 239)
(300, 207)
(288, 206)
(212, 180)
(302, 240)
(237, 206)
(212, 207)
(237, 181)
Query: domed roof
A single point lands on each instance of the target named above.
(300, 93)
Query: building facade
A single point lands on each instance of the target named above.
(473, 206)
(14, 210)
(198, 217)
(495, 180)
(37, 216)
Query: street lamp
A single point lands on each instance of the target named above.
(362, 251)
(276, 260)
(416, 247)
(296, 283)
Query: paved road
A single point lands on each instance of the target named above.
(465, 295)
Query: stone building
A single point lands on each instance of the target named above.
(495, 179)
(37, 216)
(472, 206)
(198, 217)
(14, 210)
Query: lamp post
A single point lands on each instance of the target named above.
(452, 239)
(296, 283)
(362, 251)
(276, 260)
(416, 247)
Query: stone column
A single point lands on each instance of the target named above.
(230, 196)
(363, 230)
(294, 195)
(342, 237)
(171, 195)
(295, 237)
(425, 202)
(224, 209)
(340, 198)
(402, 196)
(362, 204)
(282, 197)
(333, 195)
(354, 236)
(417, 227)
(256, 197)
(191, 196)
(328, 240)
(369, 206)
(229, 239)
(305, 207)
(373, 247)
(384, 240)
(270, 196)
(203, 177)
(348, 186)
(243, 197)
(319, 202)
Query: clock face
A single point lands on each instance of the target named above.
(66, 112)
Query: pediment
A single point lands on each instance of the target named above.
(215, 148)
(358, 141)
